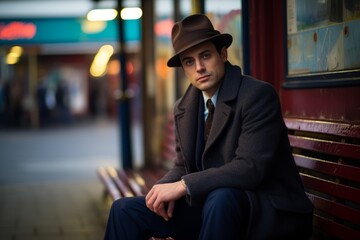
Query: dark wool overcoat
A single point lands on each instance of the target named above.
(248, 148)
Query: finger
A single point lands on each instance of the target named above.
(170, 208)
(157, 202)
(161, 211)
(150, 201)
(149, 205)
(149, 195)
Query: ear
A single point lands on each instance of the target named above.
(224, 54)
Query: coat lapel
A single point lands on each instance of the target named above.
(228, 92)
(186, 117)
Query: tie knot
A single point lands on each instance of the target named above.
(210, 105)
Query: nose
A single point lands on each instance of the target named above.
(200, 67)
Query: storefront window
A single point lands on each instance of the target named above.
(226, 16)
(323, 39)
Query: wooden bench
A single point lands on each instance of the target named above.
(136, 182)
(328, 157)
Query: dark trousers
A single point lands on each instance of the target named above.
(224, 215)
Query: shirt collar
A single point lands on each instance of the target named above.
(213, 98)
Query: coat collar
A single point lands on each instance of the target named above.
(186, 112)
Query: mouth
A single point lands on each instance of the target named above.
(203, 78)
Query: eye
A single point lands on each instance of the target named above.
(188, 62)
(206, 55)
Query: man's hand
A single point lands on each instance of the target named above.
(161, 198)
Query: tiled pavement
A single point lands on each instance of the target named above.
(48, 184)
(61, 210)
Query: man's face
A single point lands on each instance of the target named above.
(204, 66)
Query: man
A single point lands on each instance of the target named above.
(238, 181)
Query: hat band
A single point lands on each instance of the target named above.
(193, 37)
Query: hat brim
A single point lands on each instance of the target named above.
(224, 39)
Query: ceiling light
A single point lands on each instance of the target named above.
(131, 13)
(101, 15)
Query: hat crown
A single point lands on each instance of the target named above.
(191, 29)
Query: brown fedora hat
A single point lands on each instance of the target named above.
(192, 31)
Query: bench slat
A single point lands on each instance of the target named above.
(136, 179)
(328, 147)
(335, 209)
(338, 129)
(335, 229)
(329, 154)
(125, 191)
(109, 184)
(335, 189)
(333, 169)
(134, 188)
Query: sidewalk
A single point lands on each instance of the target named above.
(53, 211)
(48, 184)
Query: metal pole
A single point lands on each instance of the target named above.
(123, 103)
(148, 80)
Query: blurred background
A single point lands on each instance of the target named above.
(60, 68)
(77, 93)
(80, 90)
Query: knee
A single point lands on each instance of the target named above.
(231, 207)
(120, 206)
(116, 207)
(117, 204)
(221, 195)
(128, 205)
(226, 199)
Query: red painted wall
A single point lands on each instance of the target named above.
(340, 104)
(266, 41)
(267, 63)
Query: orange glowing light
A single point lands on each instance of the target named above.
(17, 30)
(163, 27)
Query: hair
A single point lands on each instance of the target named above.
(218, 46)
